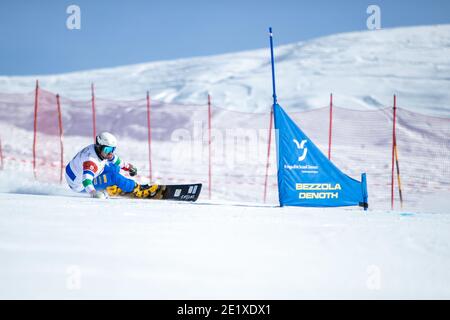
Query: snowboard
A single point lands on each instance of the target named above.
(175, 192)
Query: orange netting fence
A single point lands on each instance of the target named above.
(232, 153)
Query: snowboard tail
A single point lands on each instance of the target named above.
(182, 192)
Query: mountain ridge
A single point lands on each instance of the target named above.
(363, 69)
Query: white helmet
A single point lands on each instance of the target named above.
(106, 139)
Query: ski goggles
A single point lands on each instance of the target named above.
(108, 150)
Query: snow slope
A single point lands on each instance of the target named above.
(68, 247)
(56, 244)
(362, 69)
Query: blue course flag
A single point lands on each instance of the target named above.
(306, 177)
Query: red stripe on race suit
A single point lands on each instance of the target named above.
(90, 166)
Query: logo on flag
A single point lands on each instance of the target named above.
(301, 146)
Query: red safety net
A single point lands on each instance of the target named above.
(424, 157)
(16, 131)
(228, 150)
(47, 145)
(240, 143)
(362, 142)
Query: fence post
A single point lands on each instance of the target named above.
(61, 137)
(149, 136)
(268, 154)
(93, 111)
(209, 147)
(393, 150)
(330, 127)
(399, 182)
(36, 99)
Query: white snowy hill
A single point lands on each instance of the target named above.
(362, 69)
(57, 244)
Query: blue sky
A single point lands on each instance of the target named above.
(35, 39)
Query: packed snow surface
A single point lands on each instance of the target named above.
(56, 246)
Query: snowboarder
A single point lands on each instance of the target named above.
(96, 171)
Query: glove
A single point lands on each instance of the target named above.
(132, 170)
(99, 194)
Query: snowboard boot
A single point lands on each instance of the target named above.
(148, 191)
(114, 191)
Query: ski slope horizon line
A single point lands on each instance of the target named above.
(223, 54)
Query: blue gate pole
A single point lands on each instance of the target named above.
(273, 110)
(273, 67)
